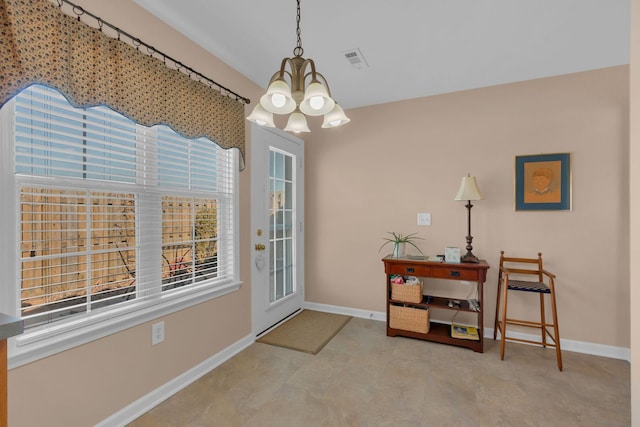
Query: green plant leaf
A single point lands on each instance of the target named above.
(400, 238)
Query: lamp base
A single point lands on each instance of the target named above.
(469, 257)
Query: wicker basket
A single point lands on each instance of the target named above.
(407, 293)
(409, 318)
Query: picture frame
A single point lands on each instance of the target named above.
(543, 182)
(452, 254)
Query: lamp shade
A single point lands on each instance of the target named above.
(278, 98)
(316, 100)
(261, 116)
(469, 189)
(335, 117)
(297, 123)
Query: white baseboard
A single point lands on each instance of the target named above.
(145, 403)
(162, 393)
(568, 345)
(576, 346)
(363, 314)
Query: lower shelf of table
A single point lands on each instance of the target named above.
(438, 332)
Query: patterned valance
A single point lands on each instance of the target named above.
(41, 44)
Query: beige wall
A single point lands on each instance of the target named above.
(634, 160)
(85, 385)
(395, 160)
(372, 176)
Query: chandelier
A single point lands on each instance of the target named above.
(306, 93)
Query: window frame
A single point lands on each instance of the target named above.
(69, 333)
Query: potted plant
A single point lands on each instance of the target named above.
(400, 241)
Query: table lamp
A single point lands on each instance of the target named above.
(469, 191)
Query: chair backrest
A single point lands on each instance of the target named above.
(527, 266)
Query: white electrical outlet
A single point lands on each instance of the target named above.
(424, 219)
(157, 333)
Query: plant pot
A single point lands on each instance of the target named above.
(398, 249)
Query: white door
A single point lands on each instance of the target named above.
(277, 242)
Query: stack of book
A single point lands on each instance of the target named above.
(464, 332)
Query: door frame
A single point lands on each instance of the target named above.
(261, 139)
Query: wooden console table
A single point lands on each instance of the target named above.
(438, 332)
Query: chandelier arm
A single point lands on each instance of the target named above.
(324, 80)
(280, 75)
(298, 66)
(313, 69)
(273, 78)
(283, 68)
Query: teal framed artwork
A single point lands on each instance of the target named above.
(543, 182)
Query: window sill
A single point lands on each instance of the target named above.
(36, 345)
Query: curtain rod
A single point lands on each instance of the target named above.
(136, 42)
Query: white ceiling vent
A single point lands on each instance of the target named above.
(355, 58)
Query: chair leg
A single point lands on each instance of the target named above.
(495, 319)
(503, 321)
(542, 322)
(556, 330)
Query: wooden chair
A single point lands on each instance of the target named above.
(510, 278)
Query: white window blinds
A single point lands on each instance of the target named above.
(112, 215)
(56, 140)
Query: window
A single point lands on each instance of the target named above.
(116, 223)
(77, 252)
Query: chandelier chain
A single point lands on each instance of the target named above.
(298, 50)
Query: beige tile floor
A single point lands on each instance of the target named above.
(364, 378)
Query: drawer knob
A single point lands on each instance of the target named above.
(410, 269)
(454, 273)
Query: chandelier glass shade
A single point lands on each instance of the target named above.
(261, 117)
(335, 117)
(298, 89)
(297, 123)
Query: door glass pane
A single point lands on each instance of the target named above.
(288, 258)
(288, 195)
(279, 166)
(288, 224)
(281, 223)
(288, 168)
(272, 271)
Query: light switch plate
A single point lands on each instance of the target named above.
(424, 219)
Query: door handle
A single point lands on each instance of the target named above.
(260, 247)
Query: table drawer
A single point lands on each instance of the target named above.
(410, 270)
(451, 272)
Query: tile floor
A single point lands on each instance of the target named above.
(364, 378)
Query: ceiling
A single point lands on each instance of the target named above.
(412, 48)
